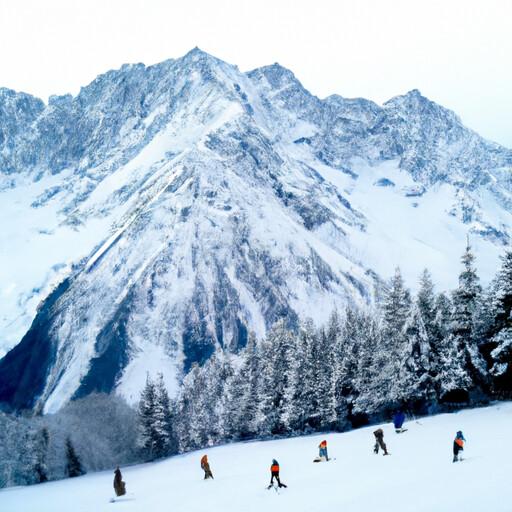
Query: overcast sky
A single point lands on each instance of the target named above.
(457, 52)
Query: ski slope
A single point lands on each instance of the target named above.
(418, 476)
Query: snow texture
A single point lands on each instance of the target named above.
(418, 475)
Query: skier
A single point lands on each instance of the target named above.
(274, 472)
(458, 446)
(119, 485)
(322, 450)
(398, 421)
(379, 441)
(205, 466)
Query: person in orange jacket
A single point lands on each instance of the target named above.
(205, 466)
(322, 450)
(274, 472)
(458, 446)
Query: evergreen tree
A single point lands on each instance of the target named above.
(184, 410)
(396, 310)
(442, 318)
(500, 330)
(240, 401)
(396, 306)
(417, 382)
(73, 464)
(149, 436)
(371, 381)
(41, 444)
(327, 371)
(278, 379)
(465, 302)
(502, 295)
(303, 410)
(196, 434)
(465, 298)
(426, 302)
(164, 443)
(251, 374)
(454, 380)
(219, 375)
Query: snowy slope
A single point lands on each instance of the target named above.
(184, 204)
(419, 475)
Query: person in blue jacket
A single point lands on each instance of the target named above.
(398, 421)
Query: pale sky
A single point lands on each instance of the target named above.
(457, 52)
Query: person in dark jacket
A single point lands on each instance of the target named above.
(119, 485)
(398, 421)
(458, 446)
(379, 442)
(205, 466)
(274, 472)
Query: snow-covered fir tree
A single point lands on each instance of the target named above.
(155, 436)
(500, 330)
(426, 302)
(165, 442)
(73, 464)
(41, 445)
(462, 329)
(393, 343)
(278, 380)
(417, 375)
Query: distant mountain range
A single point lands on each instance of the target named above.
(166, 211)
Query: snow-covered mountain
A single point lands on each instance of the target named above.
(165, 211)
(418, 475)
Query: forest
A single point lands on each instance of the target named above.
(422, 353)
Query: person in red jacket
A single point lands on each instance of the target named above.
(205, 466)
(322, 450)
(274, 472)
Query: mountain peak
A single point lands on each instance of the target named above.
(412, 96)
(196, 55)
(276, 74)
(414, 93)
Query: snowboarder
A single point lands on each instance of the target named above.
(379, 441)
(205, 466)
(322, 450)
(274, 472)
(458, 446)
(119, 485)
(398, 421)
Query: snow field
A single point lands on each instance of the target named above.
(418, 475)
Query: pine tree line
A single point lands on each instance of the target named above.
(422, 354)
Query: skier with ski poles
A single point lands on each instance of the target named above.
(274, 472)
